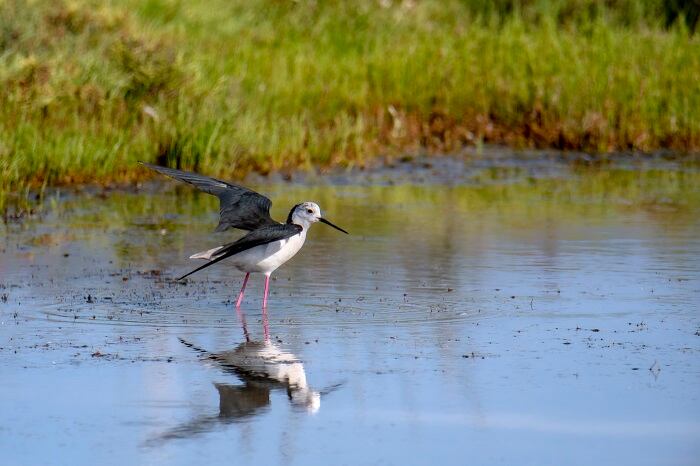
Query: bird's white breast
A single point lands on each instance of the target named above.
(268, 257)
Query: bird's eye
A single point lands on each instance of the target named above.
(310, 211)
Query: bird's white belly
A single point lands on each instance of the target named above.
(268, 257)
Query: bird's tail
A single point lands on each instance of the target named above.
(207, 255)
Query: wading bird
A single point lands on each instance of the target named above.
(268, 244)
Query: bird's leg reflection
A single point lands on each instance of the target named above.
(240, 295)
(241, 319)
(244, 325)
(266, 325)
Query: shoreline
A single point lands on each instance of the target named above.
(471, 166)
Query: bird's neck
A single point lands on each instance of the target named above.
(303, 224)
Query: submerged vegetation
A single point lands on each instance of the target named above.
(88, 87)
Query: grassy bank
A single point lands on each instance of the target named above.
(225, 86)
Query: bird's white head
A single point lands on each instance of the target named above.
(306, 213)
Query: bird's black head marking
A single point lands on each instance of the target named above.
(291, 212)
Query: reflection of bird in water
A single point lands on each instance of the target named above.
(263, 367)
(269, 243)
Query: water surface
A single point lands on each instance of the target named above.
(496, 320)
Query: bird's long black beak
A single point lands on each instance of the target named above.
(323, 220)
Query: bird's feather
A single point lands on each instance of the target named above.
(239, 207)
(258, 237)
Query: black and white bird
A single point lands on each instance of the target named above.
(268, 244)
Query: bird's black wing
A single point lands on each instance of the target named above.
(257, 237)
(239, 207)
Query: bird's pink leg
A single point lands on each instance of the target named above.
(240, 295)
(267, 290)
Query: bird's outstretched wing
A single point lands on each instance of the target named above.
(257, 237)
(239, 207)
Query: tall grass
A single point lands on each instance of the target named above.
(226, 86)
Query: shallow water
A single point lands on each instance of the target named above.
(499, 320)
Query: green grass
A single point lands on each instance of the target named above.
(87, 88)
